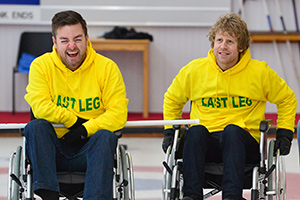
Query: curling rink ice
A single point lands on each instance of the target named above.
(147, 158)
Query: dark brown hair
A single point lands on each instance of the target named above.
(67, 18)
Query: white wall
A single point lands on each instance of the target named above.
(172, 48)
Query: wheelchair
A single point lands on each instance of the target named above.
(266, 180)
(71, 184)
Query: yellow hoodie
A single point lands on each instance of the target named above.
(235, 96)
(95, 91)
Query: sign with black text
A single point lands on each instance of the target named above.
(19, 11)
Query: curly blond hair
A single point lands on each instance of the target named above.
(233, 25)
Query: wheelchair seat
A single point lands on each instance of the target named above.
(71, 184)
(214, 175)
(71, 177)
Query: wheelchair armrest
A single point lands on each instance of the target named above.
(119, 133)
(176, 127)
(21, 132)
(264, 125)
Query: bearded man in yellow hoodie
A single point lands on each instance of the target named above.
(84, 91)
(228, 92)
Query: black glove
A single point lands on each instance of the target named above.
(78, 123)
(283, 142)
(75, 135)
(168, 139)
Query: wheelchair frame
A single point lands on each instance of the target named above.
(123, 184)
(268, 178)
(20, 176)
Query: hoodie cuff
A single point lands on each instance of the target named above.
(72, 120)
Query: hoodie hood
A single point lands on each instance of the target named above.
(244, 60)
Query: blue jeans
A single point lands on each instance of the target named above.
(48, 155)
(233, 146)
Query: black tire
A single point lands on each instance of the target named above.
(15, 169)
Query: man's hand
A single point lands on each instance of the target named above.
(75, 135)
(78, 123)
(283, 142)
(168, 139)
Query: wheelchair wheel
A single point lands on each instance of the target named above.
(167, 179)
(173, 179)
(14, 189)
(124, 185)
(177, 183)
(280, 175)
(277, 179)
(130, 176)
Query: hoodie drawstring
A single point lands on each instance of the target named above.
(217, 88)
(79, 86)
(228, 88)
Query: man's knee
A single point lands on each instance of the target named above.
(234, 134)
(232, 127)
(105, 136)
(232, 130)
(103, 143)
(197, 134)
(35, 124)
